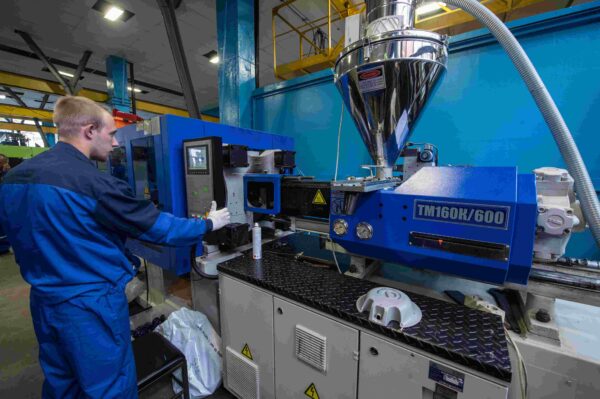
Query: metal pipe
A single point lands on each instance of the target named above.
(132, 83)
(41, 132)
(256, 43)
(273, 30)
(579, 263)
(80, 67)
(40, 54)
(329, 27)
(185, 79)
(569, 280)
(15, 97)
(44, 101)
(393, 14)
(559, 129)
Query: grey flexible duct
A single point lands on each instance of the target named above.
(552, 116)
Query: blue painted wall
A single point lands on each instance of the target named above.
(308, 109)
(482, 113)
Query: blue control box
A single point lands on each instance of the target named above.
(151, 159)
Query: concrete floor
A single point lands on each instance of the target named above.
(20, 374)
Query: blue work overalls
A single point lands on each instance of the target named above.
(67, 223)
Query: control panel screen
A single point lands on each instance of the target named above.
(197, 158)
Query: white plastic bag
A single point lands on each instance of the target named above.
(194, 336)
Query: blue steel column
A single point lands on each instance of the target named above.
(116, 82)
(235, 27)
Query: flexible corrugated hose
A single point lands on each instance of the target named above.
(552, 116)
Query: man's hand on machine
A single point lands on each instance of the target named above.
(219, 217)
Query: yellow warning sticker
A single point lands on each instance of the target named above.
(246, 352)
(311, 391)
(319, 199)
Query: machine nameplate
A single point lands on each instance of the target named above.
(492, 216)
(446, 376)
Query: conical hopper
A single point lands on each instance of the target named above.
(385, 83)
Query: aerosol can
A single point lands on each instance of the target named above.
(256, 242)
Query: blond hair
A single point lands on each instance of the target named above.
(73, 112)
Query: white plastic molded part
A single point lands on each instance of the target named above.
(388, 304)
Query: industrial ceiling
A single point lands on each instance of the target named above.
(64, 29)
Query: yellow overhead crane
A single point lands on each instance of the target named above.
(25, 128)
(446, 18)
(45, 86)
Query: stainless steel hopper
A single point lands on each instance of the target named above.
(386, 79)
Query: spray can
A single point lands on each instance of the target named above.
(256, 242)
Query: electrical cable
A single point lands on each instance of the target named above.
(335, 259)
(335, 176)
(523, 383)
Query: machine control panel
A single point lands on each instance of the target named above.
(204, 179)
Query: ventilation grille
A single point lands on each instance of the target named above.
(311, 348)
(242, 375)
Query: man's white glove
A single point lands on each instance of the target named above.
(219, 218)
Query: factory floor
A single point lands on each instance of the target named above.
(20, 374)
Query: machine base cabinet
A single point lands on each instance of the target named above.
(273, 348)
(315, 356)
(386, 368)
(247, 333)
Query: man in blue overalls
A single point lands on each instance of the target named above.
(68, 222)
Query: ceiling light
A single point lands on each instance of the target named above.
(213, 57)
(2, 96)
(67, 74)
(136, 89)
(113, 13)
(430, 7)
(63, 73)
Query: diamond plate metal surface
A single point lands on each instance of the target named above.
(466, 336)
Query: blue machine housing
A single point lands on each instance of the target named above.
(166, 149)
(492, 206)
